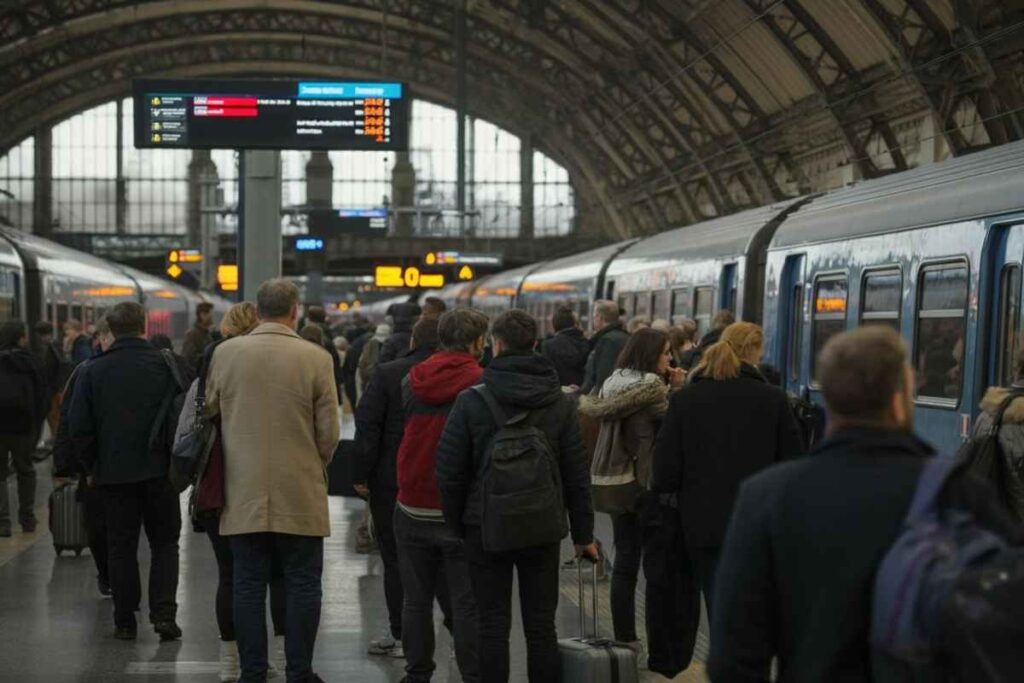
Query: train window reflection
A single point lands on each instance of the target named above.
(680, 305)
(880, 304)
(8, 294)
(939, 342)
(1009, 323)
(661, 305)
(643, 305)
(702, 302)
(830, 298)
(626, 305)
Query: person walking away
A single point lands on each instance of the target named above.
(275, 395)
(567, 349)
(55, 371)
(316, 315)
(77, 345)
(630, 406)
(403, 317)
(606, 345)
(518, 381)
(726, 424)
(380, 423)
(24, 403)
(198, 337)
(691, 359)
(358, 337)
(67, 465)
(117, 399)
(427, 548)
(1011, 434)
(240, 320)
(797, 571)
(370, 356)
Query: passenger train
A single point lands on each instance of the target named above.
(43, 280)
(935, 252)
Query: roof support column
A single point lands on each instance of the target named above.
(120, 185)
(526, 200)
(460, 111)
(42, 186)
(259, 230)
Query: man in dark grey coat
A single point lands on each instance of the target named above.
(606, 344)
(568, 349)
(796, 572)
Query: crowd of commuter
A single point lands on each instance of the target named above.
(480, 448)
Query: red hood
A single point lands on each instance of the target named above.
(440, 378)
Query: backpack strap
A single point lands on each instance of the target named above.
(934, 475)
(172, 365)
(500, 418)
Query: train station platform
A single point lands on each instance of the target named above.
(56, 627)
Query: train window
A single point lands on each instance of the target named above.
(680, 305)
(939, 341)
(643, 305)
(1009, 323)
(662, 301)
(8, 294)
(830, 296)
(880, 304)
(702, 302)
(76, 313)
(796, 327)
(626, 305)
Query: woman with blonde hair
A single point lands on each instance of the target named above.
(725, 425)
(240, 320)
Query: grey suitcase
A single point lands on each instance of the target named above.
(594, 659)
(67, 519)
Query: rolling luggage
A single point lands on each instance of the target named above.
(67, 519)
(595, 660)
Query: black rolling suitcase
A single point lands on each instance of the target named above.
(67, 519)
(595, 660)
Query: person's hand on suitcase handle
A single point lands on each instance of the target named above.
(589, 552)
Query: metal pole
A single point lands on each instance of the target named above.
(460, 108)
(240, 235)
(120, 188)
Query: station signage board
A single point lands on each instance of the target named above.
(406, 277)
(270, 114)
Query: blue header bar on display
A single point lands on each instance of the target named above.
(347, 91)
(362, 213)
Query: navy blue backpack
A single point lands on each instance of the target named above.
(947, 595)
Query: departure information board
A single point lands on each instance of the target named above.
(270, 114)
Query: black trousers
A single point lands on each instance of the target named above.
(16, 455)
(627, 531)
(382, 510)
(491, 577)
(705, 563)
(153, 505)
(210, 521)
(96, 529)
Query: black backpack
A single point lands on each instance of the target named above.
(984, 457)
(17, 397)
(810, 419)
(521, 485)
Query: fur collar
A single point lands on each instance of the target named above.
(639, 396)
(994, 396)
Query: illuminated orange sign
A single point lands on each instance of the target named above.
(411, 277)
(175, 271)
(834, 304)
(185, 256)
(227, 277)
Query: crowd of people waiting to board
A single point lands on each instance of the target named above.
(852, 555)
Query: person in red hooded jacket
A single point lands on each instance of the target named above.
(428, 549)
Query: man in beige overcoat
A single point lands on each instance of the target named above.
(276, 397)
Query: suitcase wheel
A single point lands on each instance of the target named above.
(78, 552)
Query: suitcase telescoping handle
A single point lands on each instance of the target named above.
(583, 610)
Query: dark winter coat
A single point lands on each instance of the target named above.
(397, 345)
(81, 349)
(65, 461)
(350, 368)
(716, 434)
(116, 401)
(1011, 433)
(427, 398)
(16, 360)
(380, 423)
(797, 570)
(568, 350)
(518, 382)
(689, 360)
(196, 341)
(606, 346)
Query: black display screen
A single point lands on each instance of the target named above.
(270, 114)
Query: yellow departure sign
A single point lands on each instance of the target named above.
(185, 256)
(406, 277)
(466, 273)
(227, 277)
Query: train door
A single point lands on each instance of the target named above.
(791, 324)
(1004, 313)
(727, 290)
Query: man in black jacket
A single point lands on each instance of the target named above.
(380, 423)
(520, 380)
(118, 398)
(568, 349)
(403, 317)
(797, 569)
(25, 400)
(606, 345)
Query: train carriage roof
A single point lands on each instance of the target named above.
(716, 238)
(505, 283)
(62, 261)
(983, 184)
(568, 269)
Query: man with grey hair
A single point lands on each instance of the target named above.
(262, 385)
(606, 344)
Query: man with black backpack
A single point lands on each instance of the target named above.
(24, 401)
(119, 398)
(510, 467)
(796, 575)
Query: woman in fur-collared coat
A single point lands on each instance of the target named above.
(1011, 435)
(629, 406)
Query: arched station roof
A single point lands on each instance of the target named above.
(664, 111)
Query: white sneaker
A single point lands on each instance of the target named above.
(384, 645)
(230, 669)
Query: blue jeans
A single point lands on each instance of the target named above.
(302, 559)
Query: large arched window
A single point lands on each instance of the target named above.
(102, 184)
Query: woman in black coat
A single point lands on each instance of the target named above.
(725, 425)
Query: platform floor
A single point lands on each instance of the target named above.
(54, 625)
